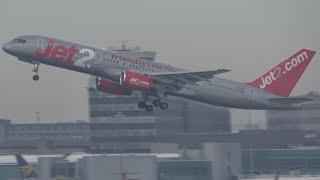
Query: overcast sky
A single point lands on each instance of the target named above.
(247, 36)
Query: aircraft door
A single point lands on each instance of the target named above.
(40, 43)
(250, 93)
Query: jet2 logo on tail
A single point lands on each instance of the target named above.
(288, 65)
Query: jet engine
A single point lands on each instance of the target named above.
(136, 81)
(108, 86)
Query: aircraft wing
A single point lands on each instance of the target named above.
(179, 79)
(291, 100)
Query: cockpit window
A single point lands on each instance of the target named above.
(19, 41)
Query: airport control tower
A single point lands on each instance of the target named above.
(118, 124)
(107, 108)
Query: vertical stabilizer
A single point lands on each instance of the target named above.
(26, 169)
(281, 79)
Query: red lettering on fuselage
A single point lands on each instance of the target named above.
(58, 52)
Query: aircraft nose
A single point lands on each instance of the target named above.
(8, 48)
(5, 47)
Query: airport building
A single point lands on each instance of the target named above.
(283, 161)
(257, 152)
(110, 108)
(43, 138)
(214, 161)
(187, 117)
(117, 125)
(137, 137)
(294, 120)
(122, 137)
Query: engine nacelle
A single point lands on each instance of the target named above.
(136, 81)
(108, 86)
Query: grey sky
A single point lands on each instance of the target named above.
(247, 36)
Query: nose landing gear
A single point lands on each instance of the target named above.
(35, 77)
(36, 70)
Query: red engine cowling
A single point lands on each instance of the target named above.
(136, 81)
(108, 86)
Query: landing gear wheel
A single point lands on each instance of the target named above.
(164, 106)
(149, 108)
(35, 77)
(142, 105)
(156, 102)
(35, 70)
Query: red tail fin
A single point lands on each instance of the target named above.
(281, 79)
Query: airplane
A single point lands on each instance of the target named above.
(26, 169)
(121, 74)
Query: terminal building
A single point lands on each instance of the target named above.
(137, 137)
(294, 120)
(117, 125)
(283, 161)
(215, 161)
(38, 138)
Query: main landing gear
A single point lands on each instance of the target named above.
(144, 105)
(36, 70)
(155, 103)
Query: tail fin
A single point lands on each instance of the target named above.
(26, 170)
(281, 79)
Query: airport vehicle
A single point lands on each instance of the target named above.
(26, 169)
(122, 74)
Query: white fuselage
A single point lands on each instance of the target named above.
(215, 91)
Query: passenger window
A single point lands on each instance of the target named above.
(21, 41)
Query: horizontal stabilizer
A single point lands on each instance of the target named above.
(290, 100)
